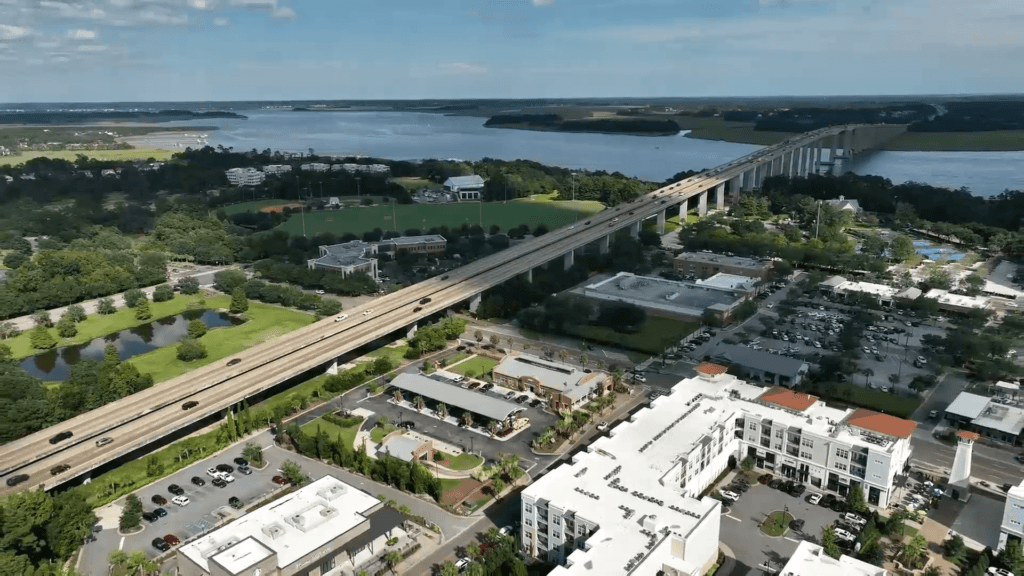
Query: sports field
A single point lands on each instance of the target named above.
(406, 216)
(69, 155)
(256, 205)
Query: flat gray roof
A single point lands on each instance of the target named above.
(759, 360)
(968, 405)
(452, 395)
(401, 447)
(571, 381)
(412, 240)
(344, 255)
(687, 298)
(711, 258)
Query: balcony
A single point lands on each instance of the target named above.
(794, 452)
(766, 443)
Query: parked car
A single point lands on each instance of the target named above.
(775, 483)
(245, 470)
(854, 519)
(506, 530)
(219, 482)
(225, 468)
(797, 525)
(159, 500)
(786, 485)
(827, 501)
(280, 480)
(175, 489)
(198, 481)
(160, 512)
(212, 472)
(227, 477)
(730, 495)
(488, 386)
(602, 426)
(149, 517)
(843, 534)
(999, 571)
(235, 502)
(461, 564)
(522, 399)
(241, 461)
(172, 540)
(160, 545)
(510, 395)
(839, 506)
(797, 490)
(814, 498)
(180, 500)
(764, 478)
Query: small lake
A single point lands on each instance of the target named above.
(55, 365)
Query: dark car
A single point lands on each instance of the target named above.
(18, 479)
(198, 481)
(796, 525)
(175, 489)
(159, 500)
(737, 487)
(280, 480)
(840, 506)
(522, 399)
(487, 386)
(160, 545)
(827, 501)
(226, 468)
(536, 403)
(425, 301)
(172, 540)
(797, 490)
(408, 425)
(417, 309)
(149, 517)
(245, 470)
(775, 482)
(234, 361)
(235, 502)
(764, 478)
(59, 469)
(219, 482)
(189, 405)
(241, 461)
(160, 512)
(445, 277)
(62, 436)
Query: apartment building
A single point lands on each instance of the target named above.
(810, 559)
(244, 176)
(277, 169)
(315, 167)
(1012, 527)
(706, 264)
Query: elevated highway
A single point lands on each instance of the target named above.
(148, 416)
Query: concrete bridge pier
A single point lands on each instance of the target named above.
(568, 259)
(333, 368)
(661, 222)
(529, 275)
(604, 244)
(702, 204)
(634, 230)
(475, 302)
(762, 173)
(748, 179)
(414, 328)
(832, 155)
(720, 196)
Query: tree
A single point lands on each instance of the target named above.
(449, 569)
(495, 339)
(42, 318)
(393, 558)
(8, 330)
(902, 249)
(163, 293)
(133, 297)
(227, 280)
(66, 328)
(142, 311)
(511, 342)
(828, 542)
(131, 514)
(75, 312)
(138, 561)
(472, 551)
(239, 303)
(856, 498)
(747, 464)
(442, 410)
(253, 453)
(154, 468)
(188, 285)
(382, 365)
(328, 307)
(419, 402)
(479, 336)
(41, 339)
(563, 355)
(191, 349)
(467, 419)
(106, 306)
(746, 309)
(293, 472)
(914, 549)
(196, 328)
(1012, 558)
(497, 486)
(118, 558)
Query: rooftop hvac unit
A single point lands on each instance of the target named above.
(273, 531)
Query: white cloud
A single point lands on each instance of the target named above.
(8, 32)
(543, 2)
(92, 48)
(463, 68)
(81, 34)
(285, 13)
(202, 4)
(221, 21)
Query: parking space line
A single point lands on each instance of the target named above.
(733, 518)
(790, 539)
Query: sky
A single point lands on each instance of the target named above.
(187, 50)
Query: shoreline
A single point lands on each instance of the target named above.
(626, 133)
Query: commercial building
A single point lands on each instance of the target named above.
(565, 387)
(958, 303)
(465, 187)
(705, 264)
(277, 169)
(760, 366)
(430, 244)
(661, 297)
(315, 167)
(347, 258)
(1012, 527)
(744, 284)
(327, 528)
(840, 286)
(362, 168)
(992, 418)
(482, 406)
(244, 176)
(809, 559)
(843, 204)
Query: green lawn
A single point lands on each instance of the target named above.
(69, 155)
(377, 434)
(395, 353)
(777, 523)
(348, 433)
(478, 365)
(656, 333)
(97, 325)
(265, 323)
(458, 357)
(462, 461)
(425, 216)
(413, 183)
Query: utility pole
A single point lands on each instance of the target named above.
(817, 223)
(358, 189)
(302, 211)
(394, 215)
(321, 190)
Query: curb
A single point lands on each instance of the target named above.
(729, 564)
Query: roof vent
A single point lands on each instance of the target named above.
(273, 531)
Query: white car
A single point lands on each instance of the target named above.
(639, 378)
(730, 495)
(227, 477)
(771, 305)
(461, 564)
(506, 531)
(602, 426)
(999, 571)
(213, 472)
(320, 292)
(854, 519)
(340, 318)
(844, 535)
(180, 500)
(368, 312)
(814, 498)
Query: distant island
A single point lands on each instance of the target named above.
(555, 123)
(84, 117)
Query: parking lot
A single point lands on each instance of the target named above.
(740, 528)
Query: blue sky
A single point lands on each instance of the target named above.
(140, 50)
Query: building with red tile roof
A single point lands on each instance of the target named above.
(882, 423)
(787, 399)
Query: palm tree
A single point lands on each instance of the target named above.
(472, 551)
(526, 345)
(118, 558)
(138, 561)
(583, 359)
(419, 402)
(383, 421)
(442, 410)
(868, 373)
(398, 395)
(493, 427)
(511, 342)
(563, 355)
(393, 558)
(915, 549)
(467, 419)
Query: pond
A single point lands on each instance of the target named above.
(55, 365)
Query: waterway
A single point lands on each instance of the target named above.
(414, 136)
(55, 365)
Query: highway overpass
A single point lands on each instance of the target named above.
(145, 418)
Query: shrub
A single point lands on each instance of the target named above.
(131, 515)
(106, 306)
(196, 328)
(66, 328)
(188, 285)
(133, 297)
(142, 311)
(41, 339)
(191, 349)
(76, 313)
(163, 293)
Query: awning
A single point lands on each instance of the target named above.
(1008, 386)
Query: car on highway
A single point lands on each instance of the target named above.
(219, 482)
(417, 309)
(198, 481)
(17, 479)
(340, 318)
(234, 502)
(425, 301)
(368, 312)
(180, 500)
(814, 498)
(160, 545)
(175, 489)
(234, 361)
(61, 437)
(104, 441)
(60, 469)
(189, 405)
(172, 540)
(445, 277)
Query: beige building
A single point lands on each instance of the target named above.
(706, 264)
(565, 387)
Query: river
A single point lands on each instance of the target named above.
(414, 136)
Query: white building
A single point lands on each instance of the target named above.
(809, 559)
(277, 169)
(244, 176)
(465, 187)
(958, 302)
(884, 294)
(843, 204)
(1012, 527)
(363, 168)
(315, 167)
(327, 528)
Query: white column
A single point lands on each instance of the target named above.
(702, 204)
(634, 230)
(529, 275)
(661, 222)
(475, 302)
(568, 260)
(604, 244)
(720, 195)
(748, 179)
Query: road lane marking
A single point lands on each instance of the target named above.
(121, 545)
(733, 518)
(790, 539)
